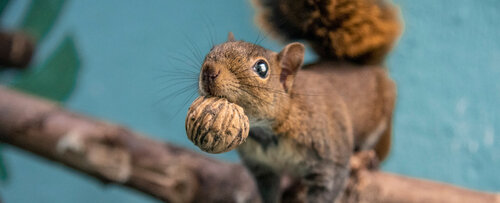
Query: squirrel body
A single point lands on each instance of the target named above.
(306, 122)
(324, 126)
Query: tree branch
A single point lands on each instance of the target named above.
(369, 185)
(114, 154)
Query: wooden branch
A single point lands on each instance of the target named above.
(114, 154)
(369, 185)
(385, 187)
(16, 50)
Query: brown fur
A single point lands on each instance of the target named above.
(360, 31)
(306, 123)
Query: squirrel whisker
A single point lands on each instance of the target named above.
(209, 25)
(256, 97)
(266, 88)
(194, 49)
(280, 91)
(178, 92)
(189, 62)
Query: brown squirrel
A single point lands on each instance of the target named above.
(306, 122)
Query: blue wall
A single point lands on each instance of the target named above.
(446, 66)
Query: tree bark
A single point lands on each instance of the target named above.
(370, 185)
(116, 155)
(385, 187)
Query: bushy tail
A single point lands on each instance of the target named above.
(359, 31)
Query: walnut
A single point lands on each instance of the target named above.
(216, 125)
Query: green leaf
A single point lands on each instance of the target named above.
(56, 77)
(41, 16)
(3, 169)
(3, 5)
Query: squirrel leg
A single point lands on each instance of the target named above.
(268, 181)
(324, 183)
(383, 146)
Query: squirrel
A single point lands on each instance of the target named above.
(307, 120)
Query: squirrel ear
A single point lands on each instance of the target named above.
(290, 60)
(230, 37)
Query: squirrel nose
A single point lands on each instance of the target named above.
(210, 73)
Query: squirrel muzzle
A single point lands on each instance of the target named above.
(209, 75)
(216, 81)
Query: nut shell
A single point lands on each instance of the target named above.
(216, 125)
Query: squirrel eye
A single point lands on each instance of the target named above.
(261, 68)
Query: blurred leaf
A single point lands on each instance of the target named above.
(41, 16)
(3, 5)
(3, 169)
(56, 77)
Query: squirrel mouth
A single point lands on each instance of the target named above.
(210, 90)
(214, 91)
(212, 84)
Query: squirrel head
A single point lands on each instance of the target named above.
(257, 79)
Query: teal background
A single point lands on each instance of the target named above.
(446, 66)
